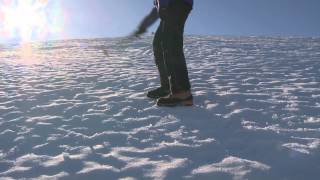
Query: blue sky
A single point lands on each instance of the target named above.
(112, 18)
(216, 17)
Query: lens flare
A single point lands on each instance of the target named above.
(27, 20)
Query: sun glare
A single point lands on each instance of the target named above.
(27, 20)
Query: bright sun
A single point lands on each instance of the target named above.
(25, 19)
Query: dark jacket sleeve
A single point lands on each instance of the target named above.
(147, 22)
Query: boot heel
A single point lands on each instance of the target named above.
(187, 103)
(171, 101)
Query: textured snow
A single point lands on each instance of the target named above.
(77, 109)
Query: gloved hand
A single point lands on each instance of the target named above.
(139, 32)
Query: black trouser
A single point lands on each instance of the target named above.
(168, 48)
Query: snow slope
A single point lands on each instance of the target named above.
(77, 109)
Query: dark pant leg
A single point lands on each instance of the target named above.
(173, 29)
(159, 57)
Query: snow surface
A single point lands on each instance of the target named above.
(77, 109)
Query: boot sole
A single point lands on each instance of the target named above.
(181, 103)
(153, 97)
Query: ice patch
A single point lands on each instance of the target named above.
(56, 176)
(310, 146)
(312, 120)
(234, 166)
(93, 166)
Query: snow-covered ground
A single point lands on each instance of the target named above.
(77, 109)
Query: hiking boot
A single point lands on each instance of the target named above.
(158, 93)
(176, 100)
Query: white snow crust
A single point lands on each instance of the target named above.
(77, 109)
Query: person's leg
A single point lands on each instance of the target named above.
(175, 62)
(173, 47)
(159, 57)
(164, 89)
